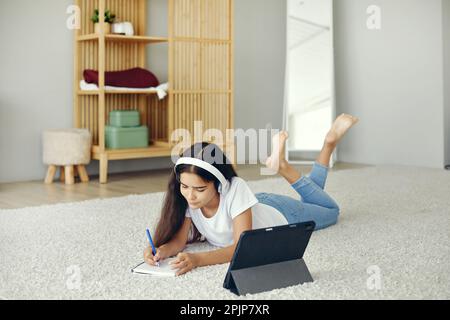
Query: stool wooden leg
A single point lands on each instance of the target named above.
(70, 179)
(103, 168)
(50, 174)
(83, 174)
(61, 174)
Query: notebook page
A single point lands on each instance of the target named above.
(164, 268)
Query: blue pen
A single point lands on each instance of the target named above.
(151, 243)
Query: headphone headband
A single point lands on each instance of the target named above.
(206, 166)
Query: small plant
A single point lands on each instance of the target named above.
(109, 17)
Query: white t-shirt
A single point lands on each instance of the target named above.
(218, 229)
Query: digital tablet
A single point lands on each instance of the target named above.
(271, 251)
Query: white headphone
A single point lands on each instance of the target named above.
(224, 183)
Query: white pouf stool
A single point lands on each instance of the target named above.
(69, 149)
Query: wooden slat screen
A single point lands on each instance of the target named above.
(202, 63)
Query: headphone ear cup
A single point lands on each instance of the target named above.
(222, 189)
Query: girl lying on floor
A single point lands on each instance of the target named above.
(219, 206)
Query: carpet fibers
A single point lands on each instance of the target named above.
(391, 242)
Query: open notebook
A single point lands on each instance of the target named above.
(164, 269)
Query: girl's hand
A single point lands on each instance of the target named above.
(153, 259)
(184, 262)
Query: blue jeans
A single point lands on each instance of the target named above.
(315, 204)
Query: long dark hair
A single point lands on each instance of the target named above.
(174, 204)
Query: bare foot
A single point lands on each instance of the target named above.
(277, 158)
(339, 128)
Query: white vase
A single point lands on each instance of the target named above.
(125, 28)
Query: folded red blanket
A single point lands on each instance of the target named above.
(131, 78)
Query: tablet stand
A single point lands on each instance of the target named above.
(268, 277)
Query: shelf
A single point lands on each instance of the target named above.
(159, 149)
(121, 38)
(96, 92)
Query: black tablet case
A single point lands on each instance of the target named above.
(270, 258)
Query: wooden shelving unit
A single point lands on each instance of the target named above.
(97, 92)
(122, 38)
(200, 75)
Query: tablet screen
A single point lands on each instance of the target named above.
(271, 245)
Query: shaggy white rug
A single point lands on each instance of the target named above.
(392, 241)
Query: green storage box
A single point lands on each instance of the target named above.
(124, 118)
(123, 138)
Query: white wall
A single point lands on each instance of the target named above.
(157, 54)
(446, 37)
(393, 80)
(36, 82)
(260, 61)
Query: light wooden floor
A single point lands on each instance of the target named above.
(34, 193)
